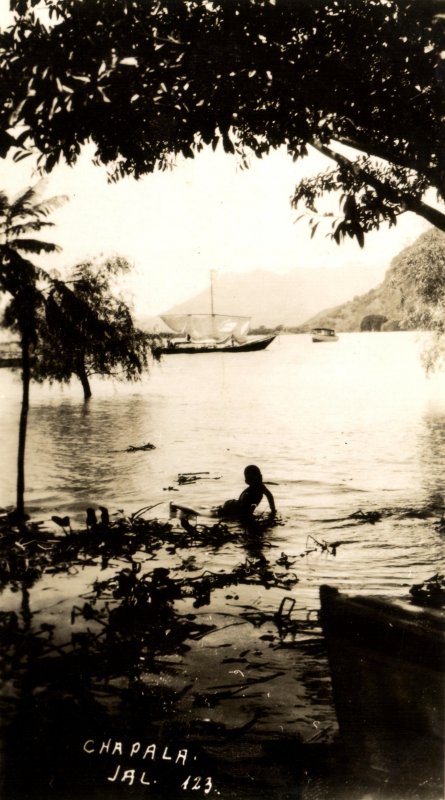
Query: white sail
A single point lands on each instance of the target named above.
(208, 327)
(241, 330)
(177, 322)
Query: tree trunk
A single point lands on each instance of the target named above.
(26, 378)
(83, 377)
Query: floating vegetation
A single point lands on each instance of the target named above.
(145, 599)
(123, 651)
(440, 525)
(370, 517)
(108, 661)
(192, 477)
(366, 516)
(285, 561)
(361, 517)
(330, 548)
(429, 593)
(63, 522)
(135, 448)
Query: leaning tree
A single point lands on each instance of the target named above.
(88, 329)
(146, 80)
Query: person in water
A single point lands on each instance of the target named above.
(250, 498)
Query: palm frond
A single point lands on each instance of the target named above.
(30, 202)
(11, 259)
(22, 202)
(47, 206)
(18, 274)
(34, 246)
(24, 227)
(4, 204)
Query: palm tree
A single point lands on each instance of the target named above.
(21, 280)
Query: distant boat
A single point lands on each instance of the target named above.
(10, 354)
(10, 361)
(211, 333)
(324, 335)
(387, 662)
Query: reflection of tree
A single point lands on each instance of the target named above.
(432, 456)
(87, 430)
(122, 672)
(108, 675)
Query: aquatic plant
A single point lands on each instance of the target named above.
(105, 661)
(429, 593)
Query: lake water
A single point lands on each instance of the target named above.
(337, 427)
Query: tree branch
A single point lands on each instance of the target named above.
(409, 203)
(372, 149)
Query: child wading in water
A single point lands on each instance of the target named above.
(249, 499)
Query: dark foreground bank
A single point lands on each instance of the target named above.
(149, 676)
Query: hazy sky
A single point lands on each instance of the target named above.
(205, 214)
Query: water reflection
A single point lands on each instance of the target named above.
(329, 427)
(355, 428)
(83, 451)
(121, 662)
(432, 455)
(206, 632)
(153, 643)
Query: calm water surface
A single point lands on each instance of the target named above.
(337, 427)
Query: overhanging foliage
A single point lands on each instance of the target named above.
(146, 81)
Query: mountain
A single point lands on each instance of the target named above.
(386, 307)
(295, 299)
(272, 299)
(382, 303)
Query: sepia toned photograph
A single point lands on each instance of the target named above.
(222, 399)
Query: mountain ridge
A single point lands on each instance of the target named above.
(383, 303)
(386, 307)
(273, 299)
(293, 300)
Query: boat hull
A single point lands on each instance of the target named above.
(11, 362)
(323, 338)
(324, 335)
(387, 663)
(190, 349)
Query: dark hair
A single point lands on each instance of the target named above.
(252, 473)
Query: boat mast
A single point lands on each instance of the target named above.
(212, 279)
(212, 311)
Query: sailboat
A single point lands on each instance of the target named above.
(211, 333)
